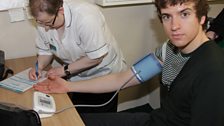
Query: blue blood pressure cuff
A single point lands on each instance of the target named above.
(146, 68)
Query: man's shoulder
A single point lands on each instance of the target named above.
(210, 56)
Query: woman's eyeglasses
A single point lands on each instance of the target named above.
(50, 23)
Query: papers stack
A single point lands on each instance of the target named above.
(19, 82)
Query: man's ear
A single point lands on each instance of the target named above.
(203, 19)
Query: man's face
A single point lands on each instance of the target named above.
(182, 26)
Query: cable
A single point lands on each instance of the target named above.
(100, 105)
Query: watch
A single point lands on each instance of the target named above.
(66, 70)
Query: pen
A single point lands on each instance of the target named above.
(36, 68)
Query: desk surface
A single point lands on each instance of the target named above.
(69, 117)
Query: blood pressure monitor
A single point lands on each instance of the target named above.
(43, 104)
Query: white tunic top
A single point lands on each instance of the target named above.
(86, 34)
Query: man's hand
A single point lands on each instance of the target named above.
(53, 84)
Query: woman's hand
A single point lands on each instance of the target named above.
(211, 35)
(53, 84)
(56, 71)
(32, 74)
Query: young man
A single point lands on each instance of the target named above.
(76, 33)
(192, 74)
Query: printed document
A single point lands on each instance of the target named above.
(20, 82)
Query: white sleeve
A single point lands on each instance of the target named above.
(93, 38)
(42, 44)
(161, 51)
(164, 51)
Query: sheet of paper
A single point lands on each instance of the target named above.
(16, 14)
(28, 13)
(20, 82)
(9, 4)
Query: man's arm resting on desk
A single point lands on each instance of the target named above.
(101, 84)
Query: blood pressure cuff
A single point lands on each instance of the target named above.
(11, 115)
(147, 67)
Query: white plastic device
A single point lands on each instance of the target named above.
(43, 104)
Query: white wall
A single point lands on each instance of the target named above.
(136, 28)
(16, 39)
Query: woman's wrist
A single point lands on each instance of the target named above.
(67, 71)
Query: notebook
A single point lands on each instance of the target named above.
(20, 82)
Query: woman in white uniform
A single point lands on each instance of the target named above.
(76, 33)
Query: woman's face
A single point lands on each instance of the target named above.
(50, 21)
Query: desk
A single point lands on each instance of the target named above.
(69, 117)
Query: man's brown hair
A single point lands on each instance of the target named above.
(201, 7)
